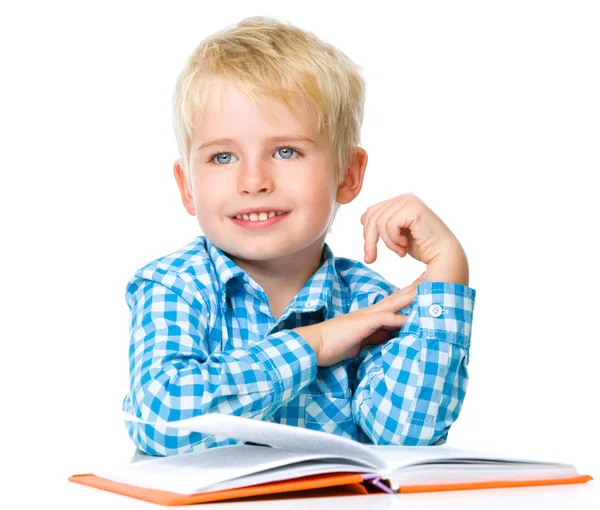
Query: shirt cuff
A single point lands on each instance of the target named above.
(443, 311)
(288, 360)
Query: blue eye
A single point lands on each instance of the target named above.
(222, 157)
(288, 153)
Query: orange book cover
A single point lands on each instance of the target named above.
(309, 486)
(342, 483)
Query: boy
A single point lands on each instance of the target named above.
(257, 317)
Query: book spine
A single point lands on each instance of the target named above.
(376, 480)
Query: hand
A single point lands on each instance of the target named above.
(343, 337)
(406, 225)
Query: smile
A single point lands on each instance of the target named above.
(259, 221)
(262, 216)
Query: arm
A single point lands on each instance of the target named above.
(451, 266)
(173, 374)
(411, 388)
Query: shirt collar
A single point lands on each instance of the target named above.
(316, 293)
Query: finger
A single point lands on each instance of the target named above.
(393, 224)
(411, 289)
(397, 228)
(402, 242)
(395, 327)
(377, 326)
(372, 210)
(389, 242)
(399, 299)
(370, 231)
(394, 321)
(384, 227)
(371, 235)
(402, 237)
(408, 293)
(378, 337)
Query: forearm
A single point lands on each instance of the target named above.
(450, 266)
(410, 389)
(412, 392)
(252, 382)
(311, 335)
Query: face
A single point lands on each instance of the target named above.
(244, 159)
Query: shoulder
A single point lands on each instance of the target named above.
(186, 271)
(359, 279)
(191, 258)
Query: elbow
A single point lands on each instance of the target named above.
(163, 441)
(393, 429)
(410, 433)
(138, 432)
(158, 439)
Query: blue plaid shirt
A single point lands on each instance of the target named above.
(203, 339)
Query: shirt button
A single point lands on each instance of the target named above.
(435, 310)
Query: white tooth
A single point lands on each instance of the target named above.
(239, 216)
(253, 217)
(263, 216)
(279, 213)
(245, 216)
(271, 214)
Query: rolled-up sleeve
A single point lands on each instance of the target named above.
(411, 388)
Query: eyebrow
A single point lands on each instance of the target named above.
(289, 138)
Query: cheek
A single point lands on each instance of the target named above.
(207, 194)
(207, 184)
(320, 193)
(314, 198)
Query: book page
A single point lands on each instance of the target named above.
(397, 457)
(311, 467)
(276, 435)
(236, 465)
(380, 458)
(473, 473)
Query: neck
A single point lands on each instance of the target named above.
(284, 275)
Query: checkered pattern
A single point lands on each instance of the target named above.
(202, 339)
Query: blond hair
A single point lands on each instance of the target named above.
(266, 57)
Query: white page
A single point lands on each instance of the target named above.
(473, 473)
(274, 434)
(461, 470)
(396, 457)
(383, 459)
(287, 473)
(189, 473)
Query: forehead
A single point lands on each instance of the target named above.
(228, 108)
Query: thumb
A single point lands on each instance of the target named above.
(379, 336)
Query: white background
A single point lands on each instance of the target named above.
(489, 112)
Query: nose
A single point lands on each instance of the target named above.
(255, 177)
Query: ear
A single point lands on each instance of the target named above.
(184, 189)
(349, 189)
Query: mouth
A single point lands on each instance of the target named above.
(255, 221)
(259, 216)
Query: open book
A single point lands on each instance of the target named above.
(288, 458)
